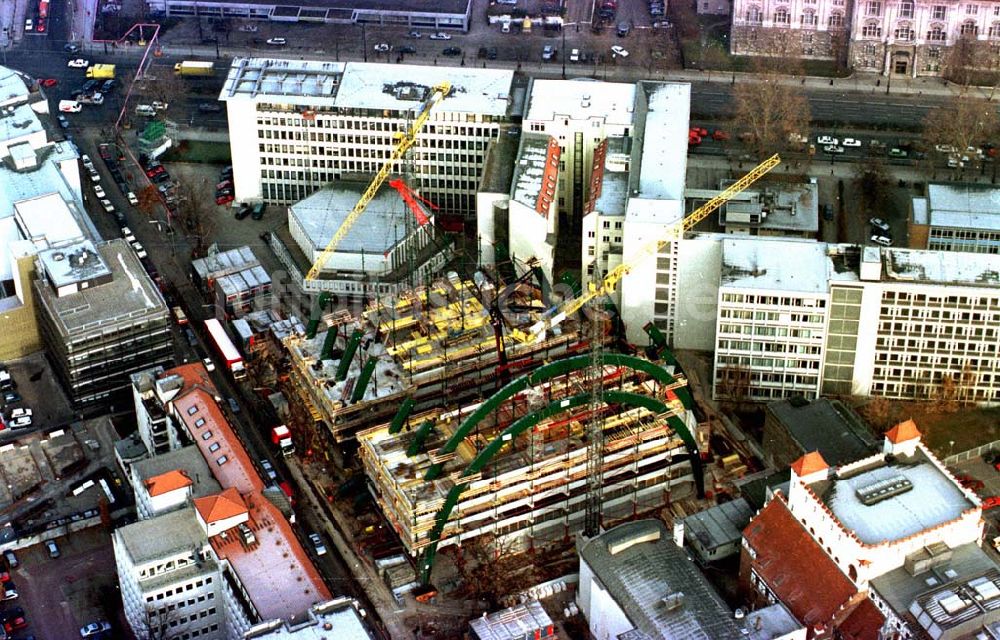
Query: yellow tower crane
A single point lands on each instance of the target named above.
(403, 143)
(613, 277)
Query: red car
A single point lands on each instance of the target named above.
(48, 82)
(698, 131)
(694, 140)
(225, 184)
(155, 171)
(15, 624)
(991, 502)
(720, 135)
(224, 199)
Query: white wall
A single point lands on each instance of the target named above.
(486, 225)
(606, 619)
(529, 232)
(698, 271)
(242, 116)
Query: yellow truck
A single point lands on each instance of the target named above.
(193, 68)
(101, 71)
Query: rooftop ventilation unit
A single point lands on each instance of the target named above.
(883, 490)
(985, 589)
(952, 603)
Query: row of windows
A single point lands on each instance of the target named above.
(772, 316)
(936, 345)
(923, 329)
(188, 587)
(781, 332)
(190, 602)
(920, 299)
(808, 18)
(199, 632)
(785, 301)
(436, 125)
(912, 390)
(774, 363)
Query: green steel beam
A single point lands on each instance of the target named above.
(326, 353)
(418, 438)
(402, 414)
(363, 379)
(345, 360)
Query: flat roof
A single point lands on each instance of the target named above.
(225, 262)
(639, 565)
(12, 86)
(964, 206)
(145, 542)
(919, 208)
(337, 618)
(719, 525)
(187, 459)
(380, 228)
(759, 263)
(943, 267)
(397, 87)
(48, 220)
(663, 166)
(309, 82)
(581, 99)
(18, 121)
(614, 186)
(129, 295)
(825, 426)
(930, 499)
(519, 621)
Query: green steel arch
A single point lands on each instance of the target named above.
(526, 422)
(552, 370)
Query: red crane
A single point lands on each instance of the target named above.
(410, 197)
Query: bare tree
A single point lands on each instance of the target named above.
(965, 123)
(874, 185)
(148, 200)
(490, 572)
(960, 63)
(768, 111)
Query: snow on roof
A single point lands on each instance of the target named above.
(919, 206)
(964, 206)
(397, 87)
(338, 619)
(529, 168)
(12, 87)
(663, 166)
(775, 264)
(950, 267)
(18, 121)
(932, 499)
(376, 231)
(610, 102)
(48, 220)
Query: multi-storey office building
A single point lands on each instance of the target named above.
(305, 124)
(956, 218)
(771, 320)
(101, 317)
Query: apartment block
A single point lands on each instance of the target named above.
(956, 218)
(231, 561)
(101, 318)
(304, 125)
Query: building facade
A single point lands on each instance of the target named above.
(791, 28)
(956, 218)
(304, 125)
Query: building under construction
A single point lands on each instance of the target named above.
(515, 466)
(435, 346)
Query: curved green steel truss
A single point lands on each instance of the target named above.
(526, 422)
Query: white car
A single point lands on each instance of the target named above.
(139, 251)
(20, 412)
(78, 63)
(885, 241)
(28, 25)
(131, 198)
(99, 191)
(851, 142)
(832, 148)
(383, 47)
(209, 365)
(879, 223)
(317, 544)
(110, 208)
(414, 34)
(94, 176)
(440, 35)
(20, 423)
(277, 42)
(574, 55)
(619, 51)
(87, 162)
(249, 28)
(827, 140)
(945, 148)
(95, 628)
(159, 106)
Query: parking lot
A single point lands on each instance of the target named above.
(59, 595)
(39, 390)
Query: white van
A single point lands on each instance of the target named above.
(145, 110)
(70, 106)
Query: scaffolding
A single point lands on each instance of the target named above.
(433, 345)
(533, 490)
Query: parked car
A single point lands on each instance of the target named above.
(11, 559)
(879, 224)
(414, 34)
(78, 63)
(233, 405)
(885, 241)
(827, 140)
(63, 122)
(440, 35)
(95, 628)
(242, 212)
(99, 191)
(896, 152)
(258, 211)
(108, 207)
(383, 47)
(407, 49)
(268, 468)
(11, 397)
(107, 85)
(851, 142)
(451, 52)
(317, 543)
(548, 52)
(224, 199)
(277, 42)
(619, 51)
(833, 149)
(132, 200)
(209, 107)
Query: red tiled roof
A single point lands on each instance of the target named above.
(902, 432)
(863, 623)
(809, 463)
(221, 506)
(193, 374)
(794, 566)
(167, 482)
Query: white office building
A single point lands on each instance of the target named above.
(301, 125)
(959, 217)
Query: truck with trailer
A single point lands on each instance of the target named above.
(225, 348)
(281, 437)
(194, 68)
(101, 71)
